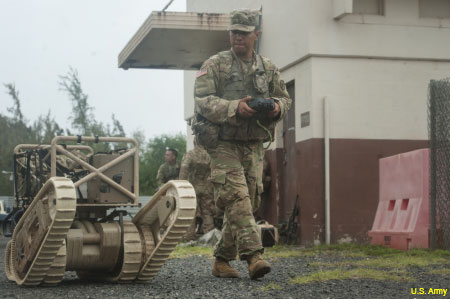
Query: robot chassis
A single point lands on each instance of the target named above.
(62, 230)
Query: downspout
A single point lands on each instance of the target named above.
(260, 31)
(326, 126)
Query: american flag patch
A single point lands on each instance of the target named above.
(201, 72)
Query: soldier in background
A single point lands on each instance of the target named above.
(170, 169)
(195, 168)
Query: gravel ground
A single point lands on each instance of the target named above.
(190, 278)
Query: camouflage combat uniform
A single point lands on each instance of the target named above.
(236, 159)
(195, 167)
(167, 172)
(266, 180)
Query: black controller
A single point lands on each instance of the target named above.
(261, 104)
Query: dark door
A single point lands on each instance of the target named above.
(288, 191)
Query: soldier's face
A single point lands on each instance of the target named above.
(243, 42)
(169, 157)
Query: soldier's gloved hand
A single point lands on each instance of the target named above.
(243, 109)
(274, 113)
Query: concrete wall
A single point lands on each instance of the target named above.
(372, 98)
(284, 31)
(189, 79)
(399, 33)
(374, 69)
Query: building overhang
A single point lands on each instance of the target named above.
(176, 40)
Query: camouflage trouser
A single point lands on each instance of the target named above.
(236, 171)
(206, 211)
(191, 233)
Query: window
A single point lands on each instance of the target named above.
(434, 8)
(369, 7)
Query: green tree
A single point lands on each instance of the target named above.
(117, 130)
(83, 120)
(82, 116)
(46, 128)
(139, 136)
(153, 157)
(15, 110)
(14, 130)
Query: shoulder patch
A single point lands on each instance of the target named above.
(201, 72)
(282, 85)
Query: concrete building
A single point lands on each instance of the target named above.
(358, 72)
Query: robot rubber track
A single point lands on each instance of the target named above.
(61, 199)
(145, 250)
(179, 220)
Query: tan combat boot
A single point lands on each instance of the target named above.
(223, 269)
(257, 266)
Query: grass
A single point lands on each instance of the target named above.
(188, 251)
(360, 273)
(440, 271)
(397, 261)
(353, 261)
(344, 250)
(277, 251)
(372, 262)
(271, 286)
(378, 256)
(270, 253)
(403, 261)
(354, 250)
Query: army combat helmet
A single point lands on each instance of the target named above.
(244, 20)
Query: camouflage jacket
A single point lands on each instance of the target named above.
(223, 80)
(195, 167)
(167, 172)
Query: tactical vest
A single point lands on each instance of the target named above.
(237, 85)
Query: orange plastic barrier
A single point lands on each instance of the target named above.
(402, 218)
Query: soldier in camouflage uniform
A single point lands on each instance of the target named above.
(233, 134)
(195, 168)
(266, 180)
(170, 169)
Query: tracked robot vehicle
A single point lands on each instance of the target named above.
(71, 210)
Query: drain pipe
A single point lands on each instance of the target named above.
(326, 129)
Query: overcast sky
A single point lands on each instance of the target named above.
(41, 39)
